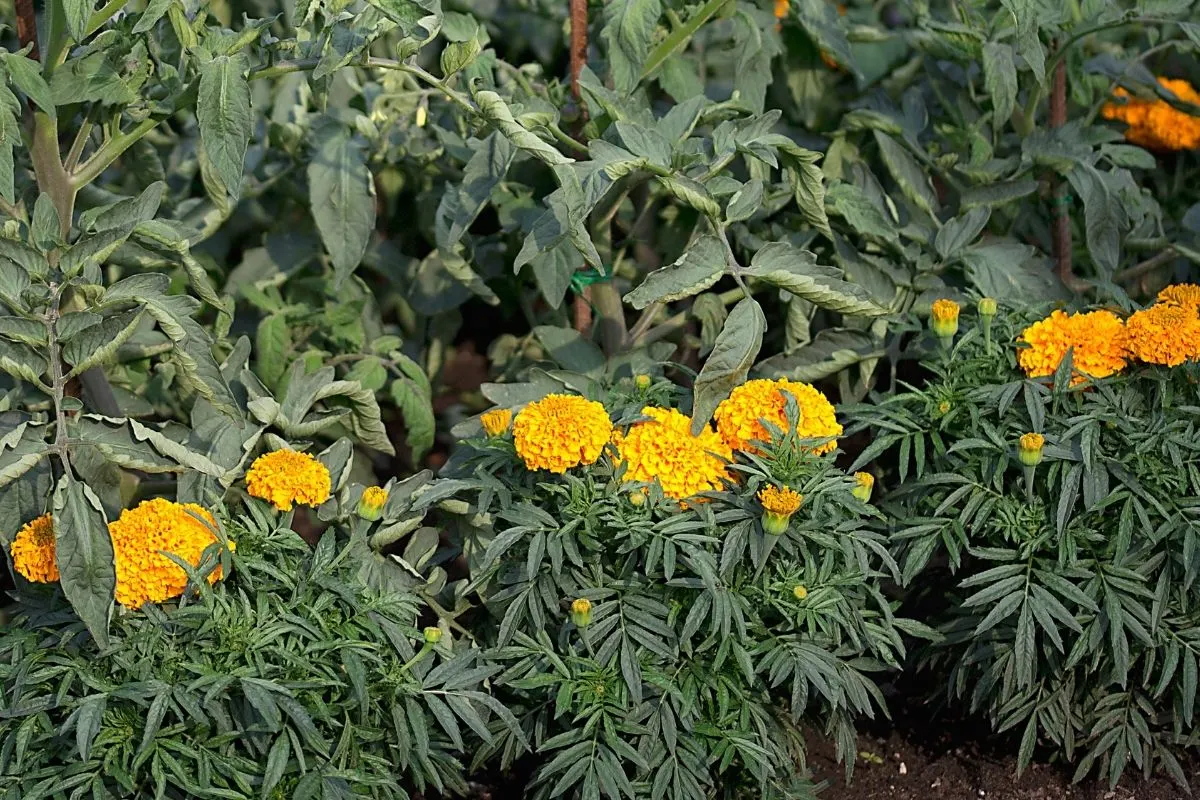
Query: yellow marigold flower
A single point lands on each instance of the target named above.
(799, 592)
(581, 612)
(781, 8)
(662, 448)
(142, 535)
(33, 551)
(370, 505)
(1164, 333)
(1156, 124)
(1096, 338)
(496, 421)
(943, 318)
(778, 507)
(1182, 294)
(1030, 449)
(284, 477)
(738, 416)
(561, 431)
(864, 482)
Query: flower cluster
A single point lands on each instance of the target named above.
(740, 416)
(33, 551)
(664, 448)
(141, 538)
(286, 477)
(1096, 341)
(561, 431)
(1156, 124)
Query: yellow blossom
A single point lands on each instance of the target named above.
(1182, 294)
(864, 482)
(284, 477)
(1164, 333)
(496, 421)
(778, 507)
(663, 448)
(799, 592)
(142, 535)
(581, 612)
(944, 318)
(561, 431)
(1156, 124)
(33, 551)
(1030, 449)
(738, 416)
(370, 505)
(1096, 339)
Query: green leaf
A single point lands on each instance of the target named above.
(462, 201)
(92, 79)
(745, 202)
(414, 397)
(1101, 222)
(22, 361)
(45, 230)
(21, 450)
(998, 194)
(1000, 79)
(627, 34)
(692, 193)
(700, 266)
(85, 555)
(98, 344)
(493, 109)
(960, 232)
(342, 197)
(852, 204)
(1029, 46)
(831, 351)
(155, 10)
(223, 112)
(115, 442)
(458, 55)
(1010, 271)
(808, 182)
(569, 349)
(819, 18)
(89, 718)
(798, 272)
(364, 411)
(26, 331)
(26, 75)
(679, 37)
(907, 173)
(730, 360)
(91, 250)
(124, 213)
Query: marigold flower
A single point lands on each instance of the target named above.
(943, 318)
(778, 507)
(33, 551)
(663, 448)
(370, 505)
(642, 382)
(432, 635)
(141, 536)
(781, 8)
(1096, 339)
(864, 482)
(1030, 449)
(1156, 124)
(799, 592)
(581, 612)
(561, 431)
(496, 421)
(284, 477)
(1181, 294)
(738, 416)
(1164, 333)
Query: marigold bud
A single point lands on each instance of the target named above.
(642, 382)
(1030, 450)
(944, 407)
(370, 505)
(987, 307)
(864, 482)
(637, 498)
(496, 422)
(778, 507)
(581, 612)
(432, 635)
(944, 318)
(800, 592)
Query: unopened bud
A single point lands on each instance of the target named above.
(581, 612)
(864, 482)
(370, 505)
(642, 382)
(800, 592)
(943, 319)
(1030, 450)
(433, 635)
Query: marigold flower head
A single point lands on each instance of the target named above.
(1156, 124)
(284, 477)
(864, 482)
(561, 431)
(781, 8)
(370, 505)
(663, 448)
(141, 536)
(1029, 449)
(642, 382)
(1181, 294)
(799, 591)
(778, 507)
(34, 552)
(1164, 333)
(496, 421)
(1096, 340)
(581, 612)
(943, 318)
(738, 416)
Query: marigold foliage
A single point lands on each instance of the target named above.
(738, 416)
(1164, 333)
(663, 449)
(286, 477)
(33, 551)
(141, 536)
(1156, 124)
(496, 421)
(561, 431)
(1096, 340)
(1181, 294)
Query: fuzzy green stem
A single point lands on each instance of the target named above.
(109, 152)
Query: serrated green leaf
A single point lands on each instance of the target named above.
(26, 75)
(223, 112)
(907, 173)
(493, 109)
(1000, 79)
(798, 272)
(628, 32)
(700, 266)
(97, 344)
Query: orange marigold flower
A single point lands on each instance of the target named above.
(1181, 294)
(662, 448)
(34, 553)
(496, 421)
(943, 318)
(561, 431)
(1156, 124)
(738, 416)
(778, 507)
(1096, 340)
(142, 535)
(284, 477)
(1164, 333)
(781, 8)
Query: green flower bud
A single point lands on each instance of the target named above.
(987, 307)
(1030, 450)
(433, 635)
(581, 612)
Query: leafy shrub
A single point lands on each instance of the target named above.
(1065, 508)
(658, 648)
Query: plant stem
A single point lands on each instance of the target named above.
(561, 135)
(109, 152)
(27, 26)
(304, 64)
(1149, 265)
(76, 151)
(48, 168)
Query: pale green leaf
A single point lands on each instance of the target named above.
(342, 197)
(627, 33)
(85, 555)
(700, 266)
(223, 111)
(732, 356)
(797, 271)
